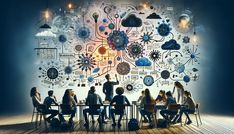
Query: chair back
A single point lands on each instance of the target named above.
(174, 107)
(41, 107)
(149, 107)
(66, 109)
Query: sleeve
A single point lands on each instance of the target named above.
(104, 88)
(126, 99)
(173, 90)
(113, 100)
(142, 102)
(100, 100)
(167, 102)
(139, 99)
(115, 83)
(54, 101)
(73, 101)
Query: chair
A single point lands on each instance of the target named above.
(39, 114)
(99, 113)
(196, 113)
(175, 108)
(125, 114)
(153, 114)
(65, 110)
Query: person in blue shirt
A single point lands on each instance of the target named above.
(166, 112)
(119, 102)
(108, 88)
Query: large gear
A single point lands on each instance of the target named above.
(117, 40)
(155, 55)
(123, 68)
(86, 62)
(135, 50)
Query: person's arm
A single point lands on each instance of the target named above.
(173, 90)
(126, 99)
(167, 102)
(104, 88)
(139, 99)
(100, 100)
(117, 81)
(113, 100)
(142, 102)
(55, 101)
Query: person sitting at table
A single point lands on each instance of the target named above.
(180, 91)
(161, 98)
(71, 103)
(119, 102)
(108, 88)
(167, 112)
(94, 102)
(142, 95)
(147, 106)
(187, 108)
(36, 99)
(48, 101)
(74, 95)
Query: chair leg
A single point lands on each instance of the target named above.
(36, 120)
(32, 116)
(199, 118)
(196, 119)
(44, 118)
(141, 122)
(40, 119)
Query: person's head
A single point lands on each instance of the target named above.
(50, 93)
(119, 90)
(72, 92)
(92, 89)
(33, 91)
(187, 94)
(107, 77)
(142, 92)
(67, 92)
(161, 92)
(147, 92)
(168, 94)
(178, 85)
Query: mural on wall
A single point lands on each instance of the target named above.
(145, 44)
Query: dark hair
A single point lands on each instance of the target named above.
(187, 93)
(119, 90)
(107, 76)
(50, 93)
(66, 96)
(33, 91)
(169, 93)
(142, 91)
(179, 85)
(92, 89)
(147, 95)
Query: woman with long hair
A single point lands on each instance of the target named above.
(147, 106)
(180, 91)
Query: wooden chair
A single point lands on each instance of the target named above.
(153, 114)
(40, 115)
(125, 114)
(197, 114)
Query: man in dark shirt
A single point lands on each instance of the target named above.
(48, 101)
(108, 89)
(120, 101)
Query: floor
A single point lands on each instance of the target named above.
(211, 125)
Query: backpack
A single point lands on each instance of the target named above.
(54, 123)
(133, 125)
(162, 123)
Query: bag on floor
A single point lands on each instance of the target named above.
(55, 123)
(66, 126)
(133, 125)
(162, 123)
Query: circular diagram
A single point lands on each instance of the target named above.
(135, 50)
(52, 73)
(148, 80)
(83, 33)
(186, 78)
(164, 29)
(117, 40)
(165, 74)
(123, 68)
(155, 55)
(129, 87)
(86, 62)
(68, 70)
(179, 67)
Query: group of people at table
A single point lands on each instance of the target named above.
(119, 101)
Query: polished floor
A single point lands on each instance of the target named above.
(211, 125)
